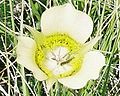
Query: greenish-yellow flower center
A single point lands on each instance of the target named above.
(59, 55)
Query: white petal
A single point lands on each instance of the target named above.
(66, 18)
(90, 69)
(26, 55)
(39, 75)
(51, 64)
(61, 69)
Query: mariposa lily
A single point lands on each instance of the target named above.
(60, 51)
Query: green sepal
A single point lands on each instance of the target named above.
(89, 45)
(38, 36)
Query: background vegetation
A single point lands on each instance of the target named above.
(17, 81)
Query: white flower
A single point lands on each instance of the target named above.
(59, 52)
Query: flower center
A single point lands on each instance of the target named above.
(59, 55)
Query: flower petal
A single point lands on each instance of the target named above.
(26, 55)
(66, 18)
(90, 69)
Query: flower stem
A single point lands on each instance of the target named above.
(24, 87)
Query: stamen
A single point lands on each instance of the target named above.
(66, 62)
